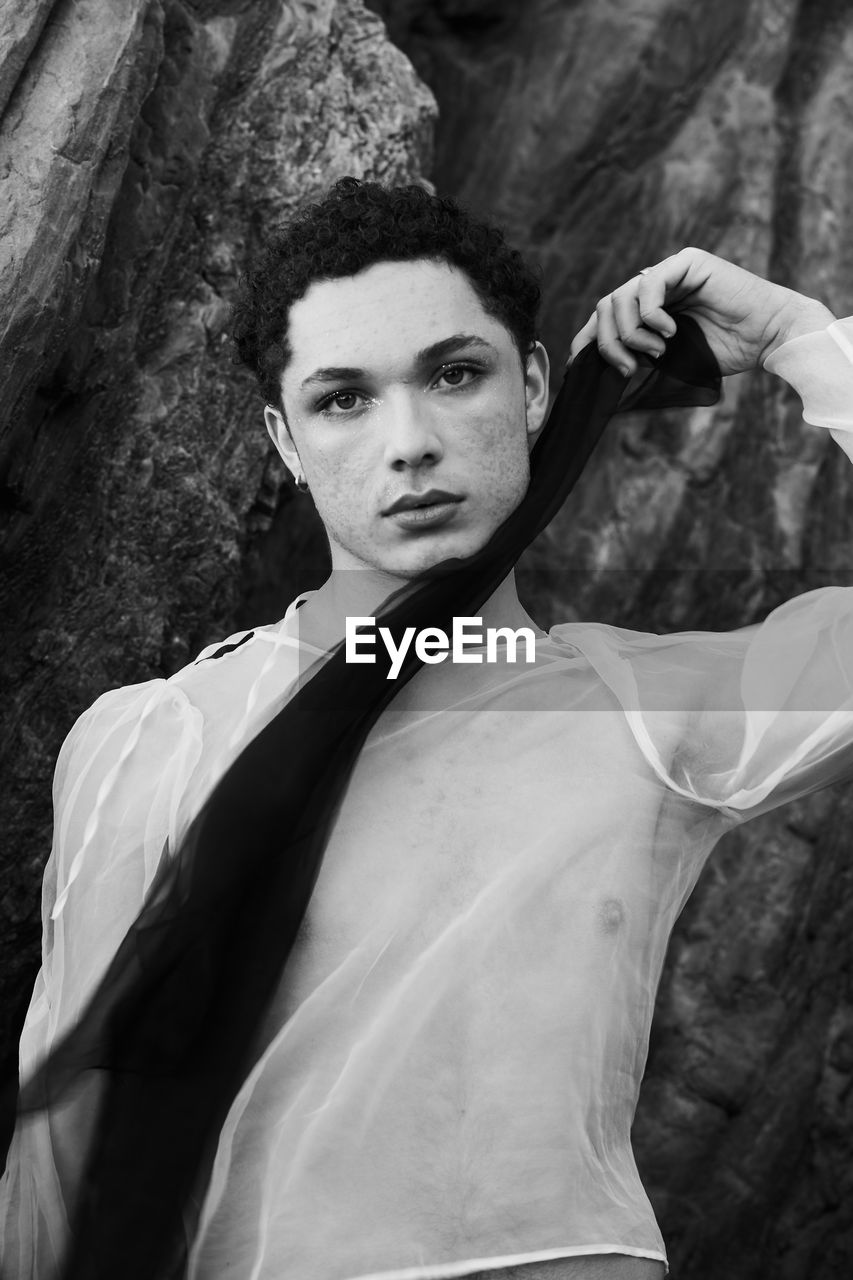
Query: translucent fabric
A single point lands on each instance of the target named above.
(447, 1078)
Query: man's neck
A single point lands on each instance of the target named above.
(350, 593)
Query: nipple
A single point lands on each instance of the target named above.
(611, 913)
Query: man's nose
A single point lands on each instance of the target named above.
(411, 438)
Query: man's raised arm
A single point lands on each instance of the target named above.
(743, 720)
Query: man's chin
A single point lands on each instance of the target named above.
(406, 561)
(411, 567)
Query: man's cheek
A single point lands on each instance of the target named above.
(505, 433)
(504, 462)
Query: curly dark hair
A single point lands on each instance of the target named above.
(355, 225)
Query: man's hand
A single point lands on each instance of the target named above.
(743, 317)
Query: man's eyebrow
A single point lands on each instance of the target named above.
(448, 345)
(344, 373)
(334, 373)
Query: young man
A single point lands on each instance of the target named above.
(446, 1080)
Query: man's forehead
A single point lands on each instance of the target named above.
(389, 311)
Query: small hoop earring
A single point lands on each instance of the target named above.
(301, 483)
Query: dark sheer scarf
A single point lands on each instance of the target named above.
(173, 1024)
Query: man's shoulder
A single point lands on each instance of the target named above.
(172, 700)
(138, 748)
(676, 674)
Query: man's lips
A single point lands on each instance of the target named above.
(410, 501)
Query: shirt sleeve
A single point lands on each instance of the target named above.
(118, 780)
(743, 721)
(819, 366)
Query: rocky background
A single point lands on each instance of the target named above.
(144, 145)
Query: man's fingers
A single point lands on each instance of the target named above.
(629, 322)
(609, 341)
(651, 292)
(633, 316)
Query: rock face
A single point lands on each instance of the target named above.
(144, 145)
(605, 137)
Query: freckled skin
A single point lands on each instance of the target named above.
(404, 427)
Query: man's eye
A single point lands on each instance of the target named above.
(457, 375)
(345, 401)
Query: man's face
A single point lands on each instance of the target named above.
(410, 413)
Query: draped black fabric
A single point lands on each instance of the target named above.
(174, 1022)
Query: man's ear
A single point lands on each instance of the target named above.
(280, 435)
(536, 374)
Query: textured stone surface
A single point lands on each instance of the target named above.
(21, 25)
(147, 145)
(605, 136)
(63, 141)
